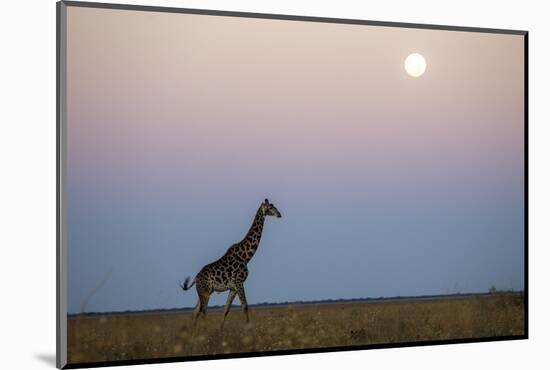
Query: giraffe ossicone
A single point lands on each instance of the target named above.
(230, 271)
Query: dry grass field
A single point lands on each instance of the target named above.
(96, 338)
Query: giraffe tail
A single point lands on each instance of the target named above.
(185, 286)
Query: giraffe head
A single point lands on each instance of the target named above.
(268, 209)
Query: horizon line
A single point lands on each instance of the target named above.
(287, 303)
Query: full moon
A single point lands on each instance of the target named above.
(415, 65)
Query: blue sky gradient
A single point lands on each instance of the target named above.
(388, 185)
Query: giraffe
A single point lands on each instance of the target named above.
(230, 271)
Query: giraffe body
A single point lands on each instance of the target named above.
(230, 271)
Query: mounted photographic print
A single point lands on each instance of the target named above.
(235, 184)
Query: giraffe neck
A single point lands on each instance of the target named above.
(250, 243)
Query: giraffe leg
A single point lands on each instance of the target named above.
(205, 297)
(196, 313)
(242, 298)
(200, 309)
(230, 298)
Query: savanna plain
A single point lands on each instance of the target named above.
(164, 334)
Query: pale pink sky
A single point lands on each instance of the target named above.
(315, 90)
